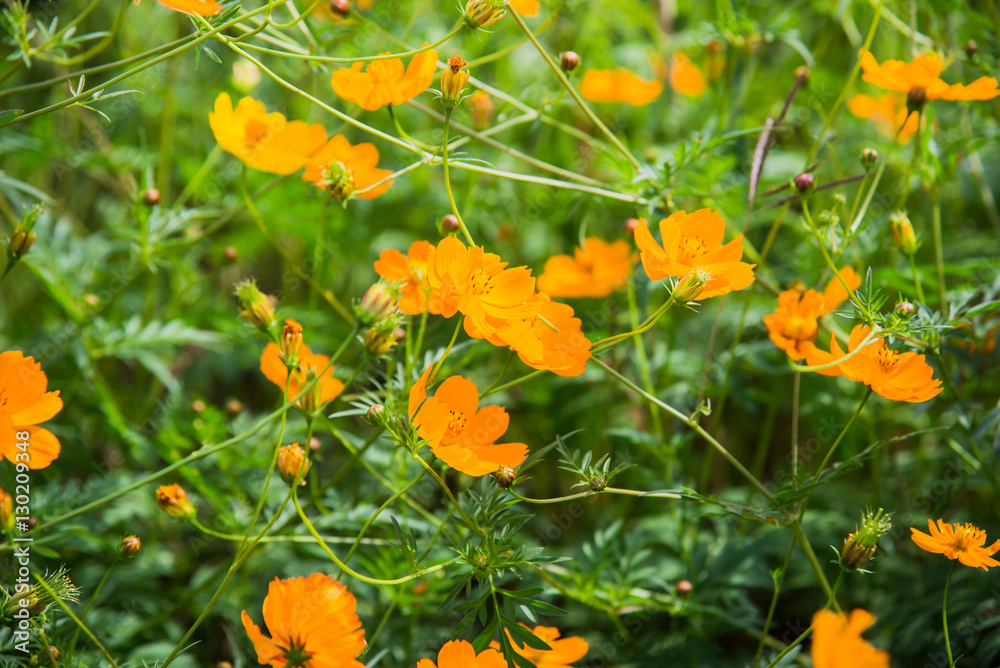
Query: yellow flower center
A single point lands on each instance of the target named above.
(800, 328)
(693, 247)
(480, 282)
(457, 422)
(966, 537)
(256, 132)
(887, 359)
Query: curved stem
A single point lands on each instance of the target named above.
(843, 432)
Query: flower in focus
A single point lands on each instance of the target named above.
(24, 403)
(794, 324)
(619, 85)
(341, 169)
(129, 547)
(174, 501)
(263, 141)
(274, 369)
(478, 285)
(313, 624)
(889, 113)
(385, 81)
(199, 7)
(527, 8)
(409, 273)
(692, 242)
(837, 641)
(596, 270)
(291, 342)
(921, 77)
(960, 541)
(891, 374)
(461, 654)
(562, 653)
(461, 434)
(453, 80)
(860, 545)
(685, 77)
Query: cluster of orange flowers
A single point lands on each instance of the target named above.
(499, 304)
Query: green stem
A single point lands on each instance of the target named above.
(938, 247)
(778, 582)
(944, 615)
(454, 337)
(795, 428)
(76, 620)
(916, 279)
(447, 179)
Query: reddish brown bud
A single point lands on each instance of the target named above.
(570, 60)
(151, 197)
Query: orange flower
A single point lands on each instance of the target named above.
(921, 75)
(888, 112)
(891, 374)
(961, 541)
(527, 8)
(385, 82)
(461, 654)
(24, 404)
(409, 272)
(461, 434)
(199, 7)
(837, 641)
(340, 169)
(313, 624)
(263, 141)
(691, 245)
(685, 77)
(274, 369)
(478, 285)
(174, 501)
(618, 86)
(596, 270)
(563, 652)
(794, 324)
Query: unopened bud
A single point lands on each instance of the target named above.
(480, 561)
(484, 13)
(971, 48)
(377, 304)
(54, 651)
(174, 501)
(804, 183)
(569, 60)
(869, 157)
(916, 98)
(684, 587)
(129, 547)
(20, 243)
(453, 80)
(691, 285)
(379, 340)
(376, 415)
(291, 343)
(859, 547)
(902, 233)
(198, 406)
(234, 407)
(802, 74)
(256, 307)
(598, 484)
(291, 462)
(230, 255)
(340, 7)
(314, 445)
(448, 224)
(504, 477)
(905, 309)
(151, 197)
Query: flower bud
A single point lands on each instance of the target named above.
(598, 484)
(151, 197)
(376, 415)
(691, 285)
(905, 309)
(291, 343)
(377, 304)
(292, 461)
(869, 157)
(504, 477)
(484, 13)
(7, 518)
(380, 340)
(230, 254)
(631, 224)
(916, 98)
(481, 108)
(448, 224)
(859, 547)
(314, 445)
(174, 501)
(971, 48)
(20, 243)
(129, 546)
(804, 183)
(340, 7)
(684, 587)
(902, 233)
(35, 599)
(310, 401)
(234, 407)
(480, 562)
(802, 74)
(569, 60)
(198, 406)
(453, 80)
(257, 308)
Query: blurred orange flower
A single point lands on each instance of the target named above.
(964, 542)
(888, 112)
(199, 7)
(409, 273)
(691, 245)
(263, 141)
(24, 403)
(478, 285)
(563, 652)
(596, 270)
(274, 369)
(341, 169)
(891, 374)
(619, 85)
(685, 77)
(527, 8)
(313, 623)
(837, 641)
(461, 434)
(385, 81)
(922, 74)
(461, 654)
(794, 324)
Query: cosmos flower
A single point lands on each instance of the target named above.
(964, 542)
(341, 169)
(920, 78)
(385, 81)
(619, 85)
(24, 404)
(596, 270)
(837, 641)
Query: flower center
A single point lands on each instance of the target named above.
(693, 247)
(480, 282)
(296, 655)
(457, 422)
(887, 359)
(800, 328)
(338, 180)
(256, 132)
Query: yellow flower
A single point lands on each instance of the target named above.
(596, 270)
(263, 141)
(341, 169)
(385, 81)
(618, 86)
(961, 541)
(920, 78)
(685, 77)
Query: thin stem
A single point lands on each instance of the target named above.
(944, 615)
(805, 634)
(938, 247)
(795, 428)
(510, 356)
(916, 279)
(382, 56)
(779, 581)
(843, 432)
(643, 362)
(447, 179)
(371, 520)
(444, 486)
(454, 337)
